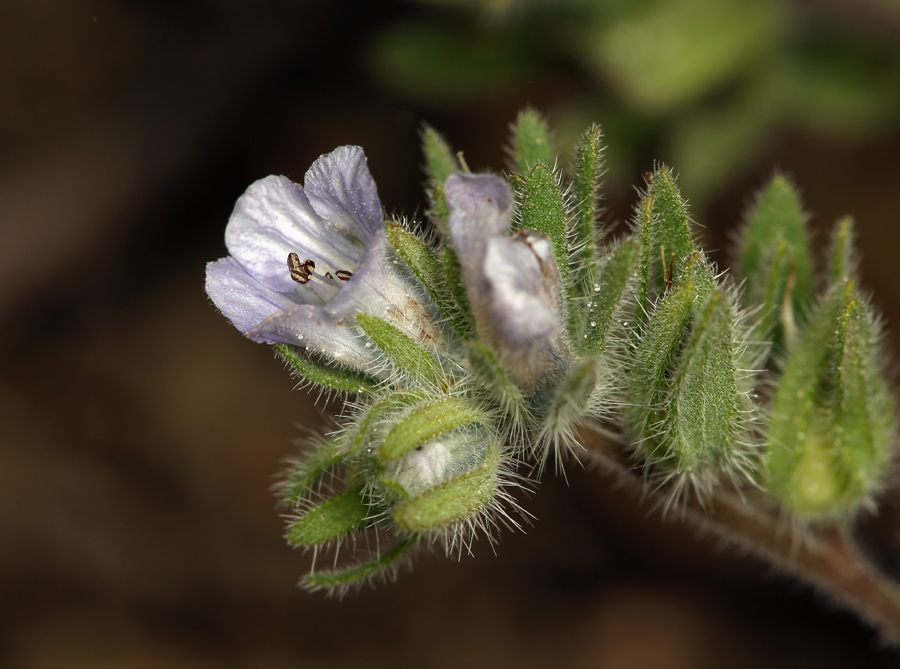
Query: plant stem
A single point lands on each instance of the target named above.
(823, 557)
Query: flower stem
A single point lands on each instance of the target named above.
(824, 558)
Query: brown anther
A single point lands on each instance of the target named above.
(343, 274)
(328, 276)
(299, 272)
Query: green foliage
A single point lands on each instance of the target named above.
(654, 346)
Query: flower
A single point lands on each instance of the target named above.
(513, 283)
(304, 260)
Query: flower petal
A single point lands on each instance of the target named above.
(274, 218)
(525, 294)
(269, 317)
(377, 289)
(342, 191)
(523, 304)
(243, 300)
(479, 207)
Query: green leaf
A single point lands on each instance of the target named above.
(332, 518)
(775, 260)
(531, 142)
(704, 413)
(405, 353)
(426, 423)
(543, 210)
(608, 292)
(340, 578)
(332, 377)
(308, 469)
(428, 270)
(455, 500)
(586, 193)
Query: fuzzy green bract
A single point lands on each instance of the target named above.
(470, 355)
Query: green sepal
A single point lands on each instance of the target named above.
(775, 262)
(698, 270)
(531, 142)
(572, 396)
(653, 362)
(543, 210)
(366, 424)
(803, 470)
(440, 163)
(333, 377)
(586, 195)
(665, 236)
(439, 211)
(440, 160)
(842, 260)
(608, 292)
(485, 365)
(308, 469)
(405, 353)
(332, 518)
(704, 412)
(457, 286)
(455, 500)
(425, 265)
(863, 417)
(340, 578)
(425, 423)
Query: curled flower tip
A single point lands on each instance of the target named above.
(513, 283)
(304, 260)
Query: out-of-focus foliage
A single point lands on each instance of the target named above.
(707, 81)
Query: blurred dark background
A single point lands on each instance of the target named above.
(139, 433)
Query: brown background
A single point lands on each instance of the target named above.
(139, 433)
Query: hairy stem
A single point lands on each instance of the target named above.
(825, 558)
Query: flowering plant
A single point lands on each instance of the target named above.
(760, 410)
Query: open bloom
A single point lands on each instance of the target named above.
(304, 260)
(513, 283)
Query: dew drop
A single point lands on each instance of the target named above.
(585, 336)
(368, 344)
(593, 324)
(596, 287)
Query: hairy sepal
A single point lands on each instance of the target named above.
(333, 518)
(532, 144)
(583, 234)
(330, 377)
(400, 349)
(428, 269)
(609, 294)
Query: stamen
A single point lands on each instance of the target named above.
(302, 272)
(299, 271)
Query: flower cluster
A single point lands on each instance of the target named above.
(488, 342)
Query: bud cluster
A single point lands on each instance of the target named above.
(486, 342)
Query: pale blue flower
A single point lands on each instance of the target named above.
(513, 283)
(333, 223)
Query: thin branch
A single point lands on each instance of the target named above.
(824, 558)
